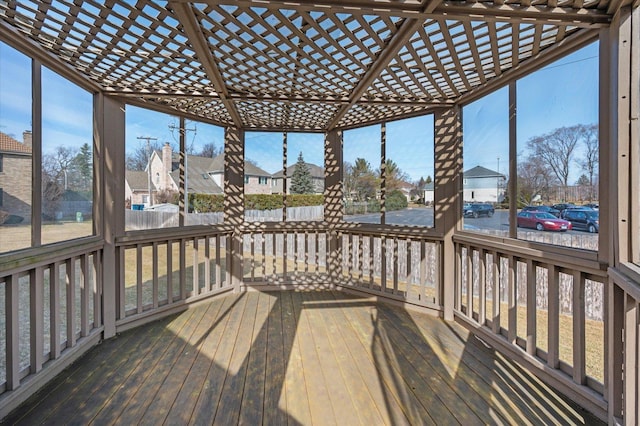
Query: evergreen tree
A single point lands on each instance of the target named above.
(83, 166)
(301, 180)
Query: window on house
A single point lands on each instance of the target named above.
(246, 180)
(1, 161)
(157, 178)
(262, 180)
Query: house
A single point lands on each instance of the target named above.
(483, 185)
(204, 176)
(15, 175)
(317, 175)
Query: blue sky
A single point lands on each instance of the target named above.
(562, 94)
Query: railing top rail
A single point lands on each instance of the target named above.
(416, 232)
(565, 257)
(23, 260)
(626, 283)
(172, 234)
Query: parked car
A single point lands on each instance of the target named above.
(542, 221)
(478, 209)
(563, 206)
(584, 220)
(546, 209)
(575, 208)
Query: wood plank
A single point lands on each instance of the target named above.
(207, 405)
(382, 380)
(145, 373)
(184, 403)
(253, 395)
(275, 398)
(327, 372)
(295, 385)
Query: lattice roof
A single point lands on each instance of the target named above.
(300, 65)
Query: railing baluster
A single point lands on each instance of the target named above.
(264, 256)
(409, 274)
(85, 327)
(495, 269)
(122, 308)
(553, 345)
(512, 333)
(360, 260)
(394, 263)
(460, 261)
(154, 256)
(469, 282)
(532, 311)
(36, 313)
(383, 264)
(183, 269)
(138, 286)
(54, 302)
(96, 288)
(228, 260)
(274, 248)
(306, 252)
(207, 264)
(169, 272)
(422, 280)
(71, 302)
(12, 317)
(195, 275)
(482, 282)
(218, 283)
(252, 246)
(579, 373)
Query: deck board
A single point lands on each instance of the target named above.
(296, 358)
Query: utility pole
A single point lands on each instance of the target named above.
(183, 152)
(148, 139)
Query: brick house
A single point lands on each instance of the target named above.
(15, 175)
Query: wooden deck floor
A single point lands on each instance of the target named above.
(296, 358)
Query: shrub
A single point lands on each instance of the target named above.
(396, 201)
(302, 200)
(206, 203)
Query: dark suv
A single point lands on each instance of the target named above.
(478, 209)
(583, 219)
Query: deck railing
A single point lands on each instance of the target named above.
(549, 309)
(295, 254)
(403, 266)
(50, 308)
(166, 269)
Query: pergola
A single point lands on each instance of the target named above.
(327, 66)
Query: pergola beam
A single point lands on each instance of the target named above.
(551, 14)
(201, 47)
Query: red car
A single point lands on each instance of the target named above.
(542, 221)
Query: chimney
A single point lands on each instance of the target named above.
(27, 138)
(166, 165)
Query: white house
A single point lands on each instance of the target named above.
(483, 185)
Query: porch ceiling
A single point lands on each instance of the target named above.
(294, 64)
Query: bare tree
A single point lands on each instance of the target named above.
(210, 150)
(535, 178)
(591, 160)
(557, 150)
(139, 157)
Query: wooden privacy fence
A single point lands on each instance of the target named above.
(147, 219)
(401, 266)
(50, 309)
(163, 270)
(551, 307)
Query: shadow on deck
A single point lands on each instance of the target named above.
(296, 358)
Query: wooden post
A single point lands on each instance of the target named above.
(234, 198)
(109, 165)
(36, 159)
(448, 213)
(333, 206)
